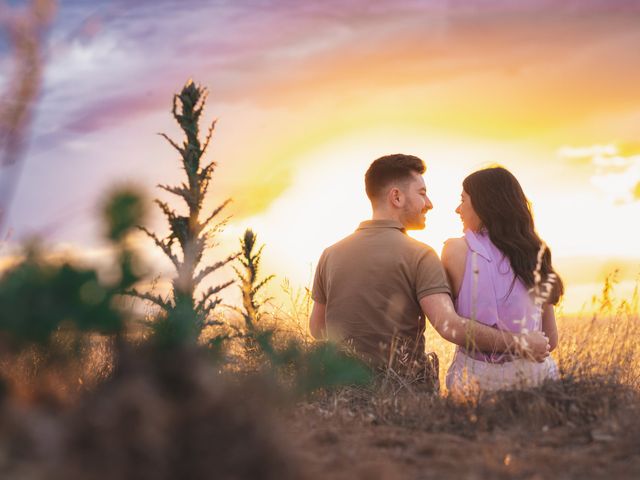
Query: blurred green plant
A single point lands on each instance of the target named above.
(40, 296)
(183, 316)
(321, 365)
(307, 367)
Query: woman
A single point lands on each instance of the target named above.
(501, 275)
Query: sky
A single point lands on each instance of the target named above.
(307, 94)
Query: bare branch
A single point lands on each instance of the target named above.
(210, 166)
(181, 191)
(239, 274)
(173, 144)
(211, 306)
(204, 187)
(213, 214)
(166, 247)
(198, 107)
(210, 232)
(208, 139)
(208, 270)
(206, 171)
(171, 216)
(174, 109)
(212, 291)
(156, 299)
(204, 176)
(262, 284)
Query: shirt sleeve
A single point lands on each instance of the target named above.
(319, 292)
(430, 277)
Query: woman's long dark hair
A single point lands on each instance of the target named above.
(500, 203)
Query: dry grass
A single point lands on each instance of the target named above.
(591, 415)
(586, 425)
(598, 357)
(57, 373)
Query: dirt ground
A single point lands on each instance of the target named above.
(351, 447)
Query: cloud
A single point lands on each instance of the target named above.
(255, 48)
(109, 113)
(616, 175)
(112, 60)
(588, 152)
(114, 64)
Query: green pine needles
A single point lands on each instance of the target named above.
(185, 315)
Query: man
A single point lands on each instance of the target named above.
(373, 289)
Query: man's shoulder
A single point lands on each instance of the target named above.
(396, 241)
(342, 243)
(418, 247)
(339, 248)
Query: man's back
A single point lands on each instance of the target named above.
(371, 283)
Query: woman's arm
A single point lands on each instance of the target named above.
(454, 259)
(549, 326)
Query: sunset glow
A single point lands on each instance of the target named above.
(307, 95)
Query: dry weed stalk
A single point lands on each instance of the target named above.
(190, 235)
(292, 317)
(251, 288)
(26, 32)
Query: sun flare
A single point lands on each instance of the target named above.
(326, 201)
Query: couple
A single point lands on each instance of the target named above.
(373, 289)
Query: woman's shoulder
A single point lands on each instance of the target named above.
(454, 249)
(454, 259)
(455, 244)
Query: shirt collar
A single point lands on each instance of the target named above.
(381, 224)
(477, 242)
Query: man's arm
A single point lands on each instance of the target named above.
(439, 310)
(317, 322)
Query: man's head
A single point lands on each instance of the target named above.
(395, 186)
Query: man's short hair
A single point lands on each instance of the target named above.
(388, 169)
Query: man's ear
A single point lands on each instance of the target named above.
(395, 197)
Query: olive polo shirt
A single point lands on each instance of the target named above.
(371, 283)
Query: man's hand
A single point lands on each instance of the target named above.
(532, 346)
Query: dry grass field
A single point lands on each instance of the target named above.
(120, 410)
(587, 425)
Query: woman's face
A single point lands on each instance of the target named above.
(468, 215)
